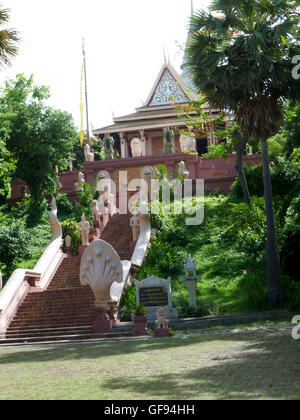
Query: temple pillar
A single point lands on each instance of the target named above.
(143, 142)
(124, 146)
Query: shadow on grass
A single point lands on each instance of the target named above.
(265, 369)
(251, 365)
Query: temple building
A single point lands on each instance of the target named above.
(154, 135)
(158, 113)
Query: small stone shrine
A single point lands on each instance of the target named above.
(191, 279)
(155, 293)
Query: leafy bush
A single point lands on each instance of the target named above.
(14, 245)
(64, 207)
(185, 311)
(83, 204)
(70, 227)
(254, 178)
(32, 212)
(163, 260)
(253, 287)
(284, 175)
(128, 303)
(140, 310)
(246, 227)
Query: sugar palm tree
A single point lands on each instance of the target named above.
(240, 56)
(8, 39)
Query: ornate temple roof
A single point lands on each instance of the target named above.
(159, 108)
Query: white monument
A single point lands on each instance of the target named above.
(155, 293)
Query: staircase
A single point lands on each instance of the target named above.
(66, 310)
(118, 234)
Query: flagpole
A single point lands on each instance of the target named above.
(86, 97)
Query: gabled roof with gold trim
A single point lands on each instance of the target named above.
(159, 108)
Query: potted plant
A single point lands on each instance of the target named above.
(140, 321)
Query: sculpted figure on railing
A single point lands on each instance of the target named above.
(106, 191)
(89, 156)
(84, 228)
(96, 213)
(56, 229)
(182, 172)
(135, 226)
(147, 174)
(79, 185)
(68, 241)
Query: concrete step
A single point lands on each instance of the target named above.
(65, 309)
(123, 327)
(67, 337)
(40, 332)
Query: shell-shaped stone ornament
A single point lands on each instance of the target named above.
(100, 267)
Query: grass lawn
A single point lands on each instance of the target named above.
(256, 365)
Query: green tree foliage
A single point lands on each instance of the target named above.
(284, 175)
(240, 55)
(83, 202)
(70, 227)
(7, 162)
(78, 152)
(40, 137)
(291, 128)
(9, 39)
(14, 245)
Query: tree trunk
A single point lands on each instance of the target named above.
(240, 147)
(273, 262)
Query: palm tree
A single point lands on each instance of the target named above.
(8, 39)
(240, 56)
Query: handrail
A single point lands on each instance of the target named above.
(16, 289)
(143, 241)
(137, 259)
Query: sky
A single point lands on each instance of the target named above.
(124, 43)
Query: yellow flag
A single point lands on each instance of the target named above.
(81, 108)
